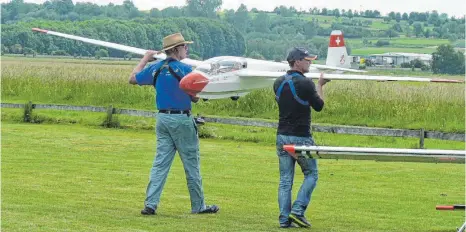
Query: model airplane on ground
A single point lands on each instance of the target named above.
(379, 154)
(232, 77)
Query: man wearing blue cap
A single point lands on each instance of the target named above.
(295, 95)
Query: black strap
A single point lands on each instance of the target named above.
(165, 65)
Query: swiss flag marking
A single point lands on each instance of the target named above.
(336, 41)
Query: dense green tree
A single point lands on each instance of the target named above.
(203, 8)
(446, 61)
(101, 53)
(261, 22)
(212, 37)
(404, 16)
(242, 19)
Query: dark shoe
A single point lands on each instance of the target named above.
(147, 211)
(288, 226)
(210, 209)
(299, 220)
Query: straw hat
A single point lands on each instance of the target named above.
(174, 40)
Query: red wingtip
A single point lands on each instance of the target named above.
(40, 30)
(447, 81)
(445, 207)
(289, 148)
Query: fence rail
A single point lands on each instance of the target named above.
(337, 129)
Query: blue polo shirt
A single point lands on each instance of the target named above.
(169, 96)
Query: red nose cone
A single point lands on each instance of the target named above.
(289, 148)
(193, 83)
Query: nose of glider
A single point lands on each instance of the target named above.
(193, 83)
(289, 148)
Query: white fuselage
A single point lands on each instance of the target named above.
(229, 84)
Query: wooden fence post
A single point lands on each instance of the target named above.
(110, 113)
(110, 121)
(27, 112)
(422, 135)
(109, 116)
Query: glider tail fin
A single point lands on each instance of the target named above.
(337, 55)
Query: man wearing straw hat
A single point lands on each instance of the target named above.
(176, 129)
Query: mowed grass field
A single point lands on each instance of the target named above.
(433, 106)
(76, 178)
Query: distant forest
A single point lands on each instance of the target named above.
(247, 32)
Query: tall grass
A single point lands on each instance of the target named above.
(385, 104)
(438, 107)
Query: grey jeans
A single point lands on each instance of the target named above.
(176, 132)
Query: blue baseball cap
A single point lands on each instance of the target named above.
(299, 54)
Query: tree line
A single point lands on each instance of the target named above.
(211, 37)
(355, 23)
(244, 32)
(18, 10)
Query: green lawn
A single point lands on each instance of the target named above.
(75, 178)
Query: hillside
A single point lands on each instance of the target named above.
(366, 32)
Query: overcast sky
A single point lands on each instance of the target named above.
(451, 7)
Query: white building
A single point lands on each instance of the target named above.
(396, 58)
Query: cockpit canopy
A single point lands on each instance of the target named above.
(222, 64)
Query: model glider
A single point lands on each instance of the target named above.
(232, 77)
(386, 154)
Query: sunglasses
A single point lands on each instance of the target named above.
(185, 46)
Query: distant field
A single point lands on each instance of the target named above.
(397, 44)
(326, 21)
(403, 41)
(419, 41)
(373, 50)
(402, 44)
(379, 24)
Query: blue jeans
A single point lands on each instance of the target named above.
(287, 168)
(176, 132)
